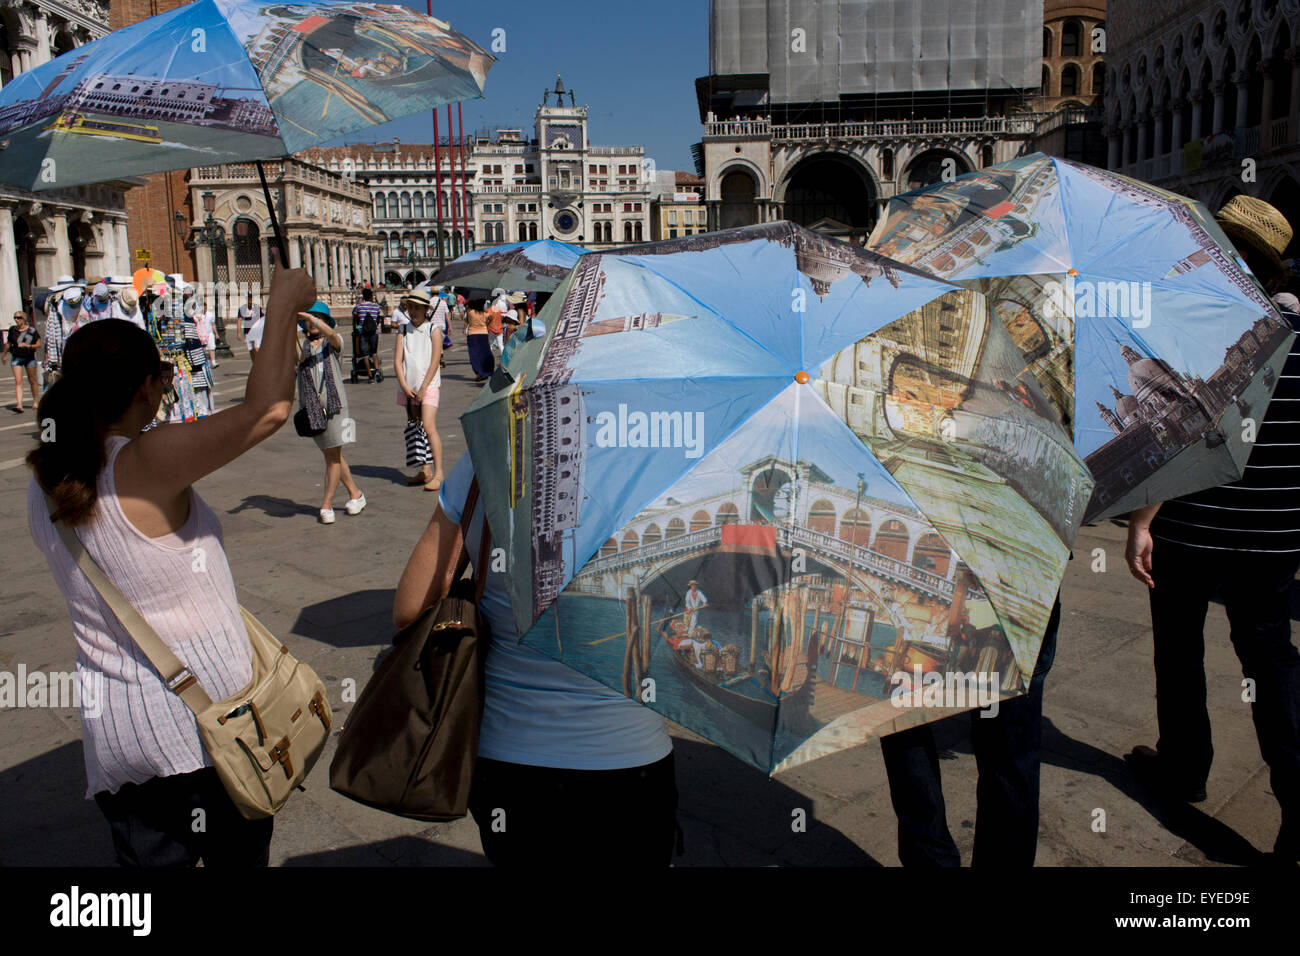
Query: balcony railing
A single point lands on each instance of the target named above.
(1278, 133)
(507, 189)
(1020, 125)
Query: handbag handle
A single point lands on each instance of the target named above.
(178, 678)
(460, 554)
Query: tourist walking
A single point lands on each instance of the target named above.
(324, 404)
(478, 341)
(365, 332)
(20, 345)
(249, 313)
(128, 496)
(419, 382)
(1240, 541)
(576, 771)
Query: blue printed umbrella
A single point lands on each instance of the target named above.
(538, 266)
(1133, 312)
(221, 81)
(776, 487)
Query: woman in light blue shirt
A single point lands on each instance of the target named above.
(568, 768)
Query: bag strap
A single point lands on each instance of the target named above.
(178, 678)
(460, 555)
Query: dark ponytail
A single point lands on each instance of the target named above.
(104, 365)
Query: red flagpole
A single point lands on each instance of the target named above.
(437, 178)
(464, 197)
(455, 212)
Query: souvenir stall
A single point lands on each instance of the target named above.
(172, 321)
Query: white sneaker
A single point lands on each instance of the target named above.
(327, 516)
(354, 505)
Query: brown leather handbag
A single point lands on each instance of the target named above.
(410, 743)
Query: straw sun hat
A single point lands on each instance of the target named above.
(1258, 225)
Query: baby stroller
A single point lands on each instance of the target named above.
(363, 346)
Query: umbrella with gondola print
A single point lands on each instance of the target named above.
(760, 480)
(1133, 312)
(228, 81)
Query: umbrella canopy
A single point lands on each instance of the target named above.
(1138, 319)
(222, 81)
(538, 266)
(767, 472)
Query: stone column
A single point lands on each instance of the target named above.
(43, 51)
(1218, 90)
(1112, 150)
(1142, 125)
(1176, 147)
(124, 249)
(1242, 79)
(1198, 117)
(1158, 129)
(62, 249)
(11, 296)
(295, 252)
(1293, 57)
(1266, 100)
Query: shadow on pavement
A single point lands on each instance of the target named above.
(273, 507)
(395, 475)
(399, 851)
(352, 620)
(726, 808)
(47, 820)
(1216, 840)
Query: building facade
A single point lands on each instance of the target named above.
(325, 218)
(80, 231)
(679, 209)
(501, 188)
(829, 153)
(1203, 98)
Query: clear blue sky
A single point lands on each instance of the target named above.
(633, 64)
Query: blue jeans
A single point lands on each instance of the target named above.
(1008, 757)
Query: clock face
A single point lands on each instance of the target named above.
(565, 221)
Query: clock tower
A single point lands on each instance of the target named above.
(563, 154)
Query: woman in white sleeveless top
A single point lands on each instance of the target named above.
(128, 495)
(419, 380)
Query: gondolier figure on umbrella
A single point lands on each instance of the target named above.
(695, 600)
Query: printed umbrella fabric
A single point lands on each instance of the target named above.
(538, 266)
(825, 442)
(1133, 312)
(222, 81)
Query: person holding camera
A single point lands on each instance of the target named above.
(324, 405)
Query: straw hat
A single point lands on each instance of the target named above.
(1257, 224)
(127, 299)
(64, 282)
(418, 296)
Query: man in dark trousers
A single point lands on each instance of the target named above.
(1241, 541)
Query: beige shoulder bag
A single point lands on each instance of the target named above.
(263, 740)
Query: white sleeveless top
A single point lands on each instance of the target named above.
(133, 727)
(417, 354)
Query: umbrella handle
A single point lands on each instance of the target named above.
(280, 244)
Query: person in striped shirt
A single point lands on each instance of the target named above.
(1241, 541)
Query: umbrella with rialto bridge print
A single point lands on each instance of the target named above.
(228, 81)
(750, 477)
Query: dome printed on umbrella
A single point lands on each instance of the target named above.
(1137, 318)
(780, 479)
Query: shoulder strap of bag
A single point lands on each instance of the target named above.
(460, 555)
(175, 675)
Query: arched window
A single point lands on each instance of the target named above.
(637, 231)
(630, 540)
(821, 516)
(627, 232)
(1070, 81)
(406, 205)
(986, 154)
(653, 535)
(931, 554)
(1047, 41)
(891, 540)
(887, 162)
(392, 205)
(1047, 81)
(609, 547)
(523, 232)
(248, 251)
(532, 230)
(381, 207)
(727, 513)
(417, 205)
(855, 527)
(430, 205)
(1071, 34)
(676, 528)
(700, 520)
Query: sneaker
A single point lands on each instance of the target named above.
(1146, 765)
(327, 516)
(354, 505)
